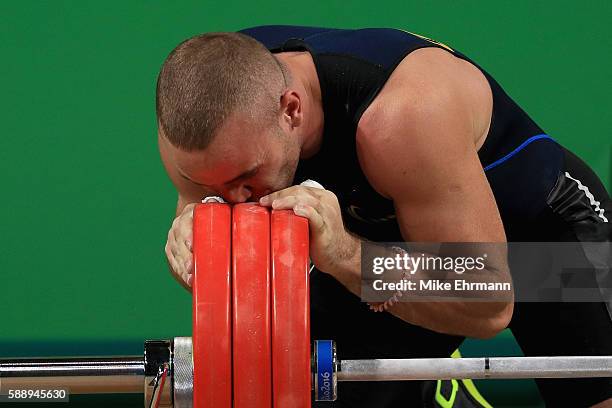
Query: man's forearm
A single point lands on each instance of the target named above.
(481, 319)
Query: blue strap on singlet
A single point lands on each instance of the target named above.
(518, 149)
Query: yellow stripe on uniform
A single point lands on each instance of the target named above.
(430, 40)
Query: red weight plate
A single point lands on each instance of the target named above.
(290, 311)
(212, 358)
(251, 306)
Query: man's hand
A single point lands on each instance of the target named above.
(332, 249)
(179, 247)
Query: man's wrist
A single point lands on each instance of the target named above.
(347, 266)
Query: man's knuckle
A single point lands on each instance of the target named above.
(185, 222)
(178, 232)
(327, 194)
(310, 191)
(291, 199)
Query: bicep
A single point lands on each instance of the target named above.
(418, 148)
(450, 201)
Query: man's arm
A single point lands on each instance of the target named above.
(418, 146)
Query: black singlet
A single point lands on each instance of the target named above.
(543, 192)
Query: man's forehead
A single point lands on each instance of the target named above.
(239, 142)
(210, 167)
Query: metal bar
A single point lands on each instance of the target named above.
(82, 375)
(98, 375)
(474, 368)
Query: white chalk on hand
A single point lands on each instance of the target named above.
(311, 183)
(213, 199)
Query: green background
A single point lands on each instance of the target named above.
(86, 204)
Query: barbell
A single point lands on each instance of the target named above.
(251, 345)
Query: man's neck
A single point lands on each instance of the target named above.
(306, 81)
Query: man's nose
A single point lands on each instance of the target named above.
(239, 194)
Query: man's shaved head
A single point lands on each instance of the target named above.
(207, 78)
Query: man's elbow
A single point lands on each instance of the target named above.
(496, 322)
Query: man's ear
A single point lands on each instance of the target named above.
(291, 108)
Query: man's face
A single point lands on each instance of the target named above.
(244, 162)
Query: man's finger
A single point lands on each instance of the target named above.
(185, 219)
(189, 266)
(171, 244)
(176, 273)
(293, 190)
(184, 280)
(180, 252)
(315, 220)
(189, 209)
(288, 202)
(268, 199)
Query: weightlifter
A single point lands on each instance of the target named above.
(413, 142)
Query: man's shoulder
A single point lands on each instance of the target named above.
(380, 45)
(427, 85)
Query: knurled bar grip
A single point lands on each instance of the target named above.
(95, 375)
(474, 368)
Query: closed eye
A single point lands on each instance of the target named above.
(243, 176)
